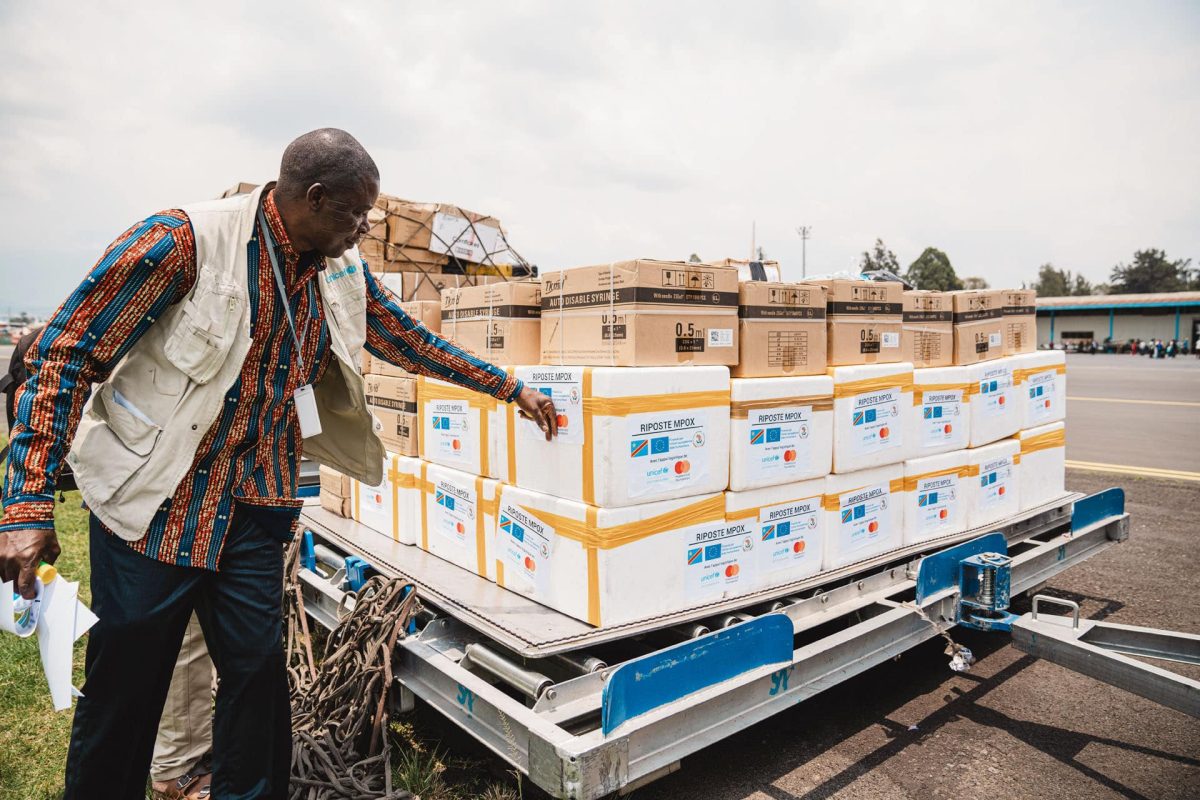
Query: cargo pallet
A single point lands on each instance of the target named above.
(585, 712)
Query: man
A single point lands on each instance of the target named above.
(225, 338)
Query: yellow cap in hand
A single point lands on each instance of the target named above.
(46, 573)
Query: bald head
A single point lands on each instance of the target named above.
(328, 156)
(327, 184)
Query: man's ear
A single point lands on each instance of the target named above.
(316, 197)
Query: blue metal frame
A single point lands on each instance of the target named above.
(1101, 505)
(1117, 306)
(644, 684)
(940, 571)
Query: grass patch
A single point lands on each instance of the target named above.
(33, 736)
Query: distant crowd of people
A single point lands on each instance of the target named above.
(1153, 348)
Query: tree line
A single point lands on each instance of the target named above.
(1149, 272)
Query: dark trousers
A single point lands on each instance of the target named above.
(144, 606)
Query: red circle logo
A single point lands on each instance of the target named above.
(883, 433)
(530, 564)
(798, 546)
(874, 526)
(456, 445)
(732, 570)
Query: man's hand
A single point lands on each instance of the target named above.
(20, 553)
(540, 408)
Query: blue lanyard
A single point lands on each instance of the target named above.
(269, 242)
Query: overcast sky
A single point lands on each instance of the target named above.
(1006, 134)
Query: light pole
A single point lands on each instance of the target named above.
(805, 231)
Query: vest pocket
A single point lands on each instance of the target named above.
(122, 446)
(205, 331)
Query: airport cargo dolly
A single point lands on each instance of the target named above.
(585, 712)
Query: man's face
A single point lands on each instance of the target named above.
(339, 219)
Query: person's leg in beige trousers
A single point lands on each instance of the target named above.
(185, 730)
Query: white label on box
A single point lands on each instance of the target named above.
(937, 504)
(942, 419)
(862, 516)
(454, 512)
(1042, 396)
(780, 441)
(717, 561)
(785, 532)
(449, 432)
(667, 452)
(875, 421)
(995, 340)
(994, 479)
(889, 340)
(993, 389)
(455, 234)
(720, 337)
(525, 542)
(565, 387)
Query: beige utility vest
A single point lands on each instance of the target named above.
(128, 464)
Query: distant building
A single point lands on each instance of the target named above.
(1119, 317)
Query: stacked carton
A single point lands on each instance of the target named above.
(674, 483)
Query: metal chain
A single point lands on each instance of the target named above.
(340, 744)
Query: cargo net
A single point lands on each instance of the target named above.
(341, 749)
(431, 241)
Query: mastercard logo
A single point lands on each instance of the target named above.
(562, 420)
(732, 571)
(874, 526)
(530, 564)
(1000, 490)
(1047, 404)
(883, 433)
(456, 444)
(458, 526)
(948, 428)
(1000, 399)
(943, 514)
(789, 455)
(682, 467)
(798, 546)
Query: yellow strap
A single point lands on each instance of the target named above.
(511, 439)
(357, 492)
(425, 492)
(480, 554)
(920, 389)
(972, 470)
(910, 482)
(833, 502)
(740, 409)
(752, 513)
(590, 534)
(901, 381)
(593, 572)
(394, 479)
(1025, 373)
(589, 476)
(421, 416)
(500, 573)
(644, 403)
(1017, 458)
(1044, 441)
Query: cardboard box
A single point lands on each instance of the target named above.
(334, 482)
(781, 330)
(426, 312)
(639, 314)
(864, 321)
(427, 285)
(750, 270)
(373, 366)
(444, 229)
(335, 504)
(393, 402)
(1020, 320)
(928, 336)
(501, 322)
(978, 325)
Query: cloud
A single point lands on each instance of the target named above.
(1005, 135)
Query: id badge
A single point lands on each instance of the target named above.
(306, 412)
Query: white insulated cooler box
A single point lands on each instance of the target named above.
(1042, 377)
(1043, 469)
(462, 429)
(393, 507)
(872, 405)
(936, 496)
(626, 435)
(995, 482)
(780, 430)
(782, 529)
(996, 408)
(864, 514)
(458, 518)
(941, 418)
(608, 566)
